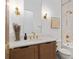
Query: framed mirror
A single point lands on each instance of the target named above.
(32, 13)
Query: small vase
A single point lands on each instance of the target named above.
(17, 32)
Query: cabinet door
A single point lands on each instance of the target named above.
(24, 53)
(48, 51)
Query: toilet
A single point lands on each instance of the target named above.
(64, 53)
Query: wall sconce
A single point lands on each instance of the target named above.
(17, 12)
(45, 16)
(44, 13)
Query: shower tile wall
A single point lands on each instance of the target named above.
(67, 21)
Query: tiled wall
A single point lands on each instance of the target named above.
(67, 22)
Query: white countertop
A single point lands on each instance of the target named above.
(21, 43)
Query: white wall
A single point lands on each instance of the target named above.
(35, 7)
(53, 9)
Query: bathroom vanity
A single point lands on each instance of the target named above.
(36, 18)
(43, 50)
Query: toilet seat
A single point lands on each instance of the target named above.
(64, 51)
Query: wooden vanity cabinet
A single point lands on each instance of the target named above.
(40, 51)
(48, 50)
(29, 52)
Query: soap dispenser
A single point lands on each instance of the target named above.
(25, 36)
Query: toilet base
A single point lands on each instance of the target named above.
(64, 53)
(64, 56)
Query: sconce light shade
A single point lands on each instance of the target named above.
(17, 12)
(45, 16)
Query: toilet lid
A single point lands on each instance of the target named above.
(65, 51)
